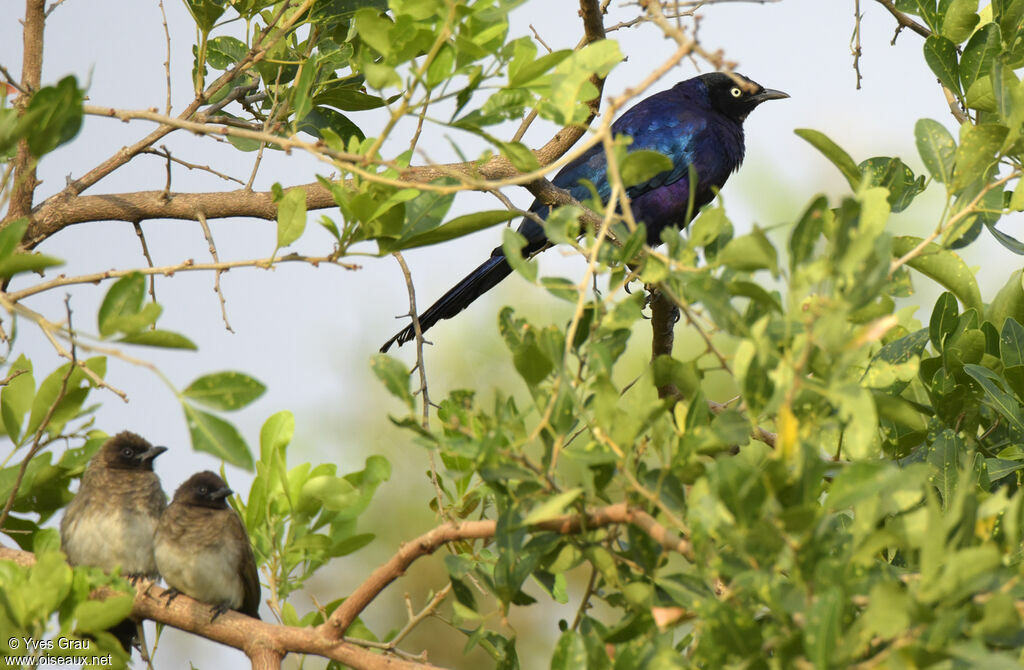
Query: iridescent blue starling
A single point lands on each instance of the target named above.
(697, 122)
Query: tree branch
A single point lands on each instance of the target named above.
(904, 20)
(664, 315)
(264, 642)
(25, 181)
(428, 543)
(261, 641)
(260, 46)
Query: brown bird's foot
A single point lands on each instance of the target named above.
(170, 594)
(218, 610)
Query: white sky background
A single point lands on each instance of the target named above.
(309, 333)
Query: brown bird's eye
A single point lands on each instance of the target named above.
(736, 92)
(203, 490)
(127, 452)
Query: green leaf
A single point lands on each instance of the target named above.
(512, 244)
(205, 12)
(457, 227)
(131, 324)
(1009, 301)
(301, 99)
(824, 626)
(981, 50)
(95, 616)
(374, 29)
(749, 252)
(525, 74)
(1011, 343)
(979, 146)
(642, 165)
(959, 20)
(333, 127)
(16, 397)
(276, 434)
(123, 299)
(164, 339)
(570, 652)
(945, 267)
(807, 232)
(998, 468)
(291, 216)
(225, 390)
(68, 407)
(216, 436)
(392, 372)
(521, 157)
(33, 262)
(834, 153)
(940, 54)
(895, 177)
(570, 82)
(348, 99)
(1000, 400)
(944, 319)
(53, 117)
(552, 507)
(11, 236)
(224, 51)
(937, 149)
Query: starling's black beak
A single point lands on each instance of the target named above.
(150, 454)
(220, 494)
(768, 94)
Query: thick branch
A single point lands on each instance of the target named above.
(25, 181)
(261, 641)
(145, 205)
(264, 642)
(664, 315)
(430, 542)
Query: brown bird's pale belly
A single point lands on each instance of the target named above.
(209, 576)
(122, 538)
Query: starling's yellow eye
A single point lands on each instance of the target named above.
(736, 92)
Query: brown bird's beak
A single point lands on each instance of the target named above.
(150, 454)
(768, 94)
(221, 493)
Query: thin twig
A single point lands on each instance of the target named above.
(55, 5)
(165, 153)
(970, 209)
(217, 273)
(170, 270)
(585, 600)
(421, 367)
(149, 259)
(167, 63)
(855, 46)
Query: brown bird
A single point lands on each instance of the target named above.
(111, 521)
(203, 551)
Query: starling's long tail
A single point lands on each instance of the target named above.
(476, 283)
